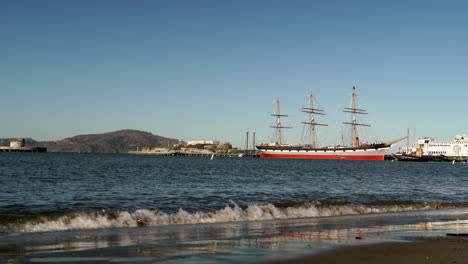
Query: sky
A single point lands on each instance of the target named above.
(212, 70)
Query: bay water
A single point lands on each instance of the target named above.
(48, 193)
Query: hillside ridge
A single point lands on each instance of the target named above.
(120, 141)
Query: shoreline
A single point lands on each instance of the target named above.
(437, 250)
(387, 238)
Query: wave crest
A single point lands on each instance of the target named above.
(230, 213)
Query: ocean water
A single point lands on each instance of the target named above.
(67, 195)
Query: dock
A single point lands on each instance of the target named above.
(23, 149)
(194, 153)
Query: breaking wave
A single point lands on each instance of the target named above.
(230, 213)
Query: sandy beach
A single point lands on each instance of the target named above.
(429, 251)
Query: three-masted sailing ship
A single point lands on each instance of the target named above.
(358, 151)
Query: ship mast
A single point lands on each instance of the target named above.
(278, 121)
(354, 123)
(312, 111)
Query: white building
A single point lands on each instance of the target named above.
(18, 143)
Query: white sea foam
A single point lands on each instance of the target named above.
(231, 213)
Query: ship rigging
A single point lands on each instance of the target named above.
(357, 151)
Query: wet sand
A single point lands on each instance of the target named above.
(378, 238)
(430, 251)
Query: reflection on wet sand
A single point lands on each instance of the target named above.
(230, 242)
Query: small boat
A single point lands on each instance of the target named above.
(415, 158)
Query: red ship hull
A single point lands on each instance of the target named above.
(305, 156)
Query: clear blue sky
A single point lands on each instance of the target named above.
(203, 70)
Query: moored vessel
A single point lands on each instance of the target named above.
(425, 147)
(359, 151)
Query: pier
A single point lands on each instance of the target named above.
(23, 149)
(203, 148)
(19, 146)
(202, 154)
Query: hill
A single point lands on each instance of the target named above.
(120, 141)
